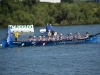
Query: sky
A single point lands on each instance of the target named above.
(52, 1)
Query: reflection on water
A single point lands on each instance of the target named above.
(80, 59)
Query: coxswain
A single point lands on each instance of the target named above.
(16, 35)
(49, 38)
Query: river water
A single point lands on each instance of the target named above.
(79, 59)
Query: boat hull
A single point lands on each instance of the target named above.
(48, 43)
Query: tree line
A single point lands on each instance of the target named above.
(39, 13)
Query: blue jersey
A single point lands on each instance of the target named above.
(53, 39)
(47, 28)
(51, 28)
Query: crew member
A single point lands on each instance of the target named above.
(30, 39)
(78, 36)
(87, 35)
(61, 37)
(51, 28)
(53, 38)
(16, 35)
(47, 27)
(70, 36)
(49, 33)
(34, 38)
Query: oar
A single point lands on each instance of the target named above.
(94, 35)
(97, 34)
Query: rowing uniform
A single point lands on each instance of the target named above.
(53, 39)
(86, 36)
(79, 37)
(39, 39)
(43, 39)
(70, 37)
(34, 39)
(49, 33)
(67, 37)
(61, 37)
(75, 37)
(57, 37)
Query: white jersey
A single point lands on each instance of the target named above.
(70, 37)
(79, 37)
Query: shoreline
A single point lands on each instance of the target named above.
(58, 25)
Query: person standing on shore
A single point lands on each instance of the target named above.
(51, 28)
(47, 27)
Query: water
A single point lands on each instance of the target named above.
(80, 59)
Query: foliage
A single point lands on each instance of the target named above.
(38, 14)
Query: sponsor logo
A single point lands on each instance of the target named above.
(21, 26)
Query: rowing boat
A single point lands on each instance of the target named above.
(92, 39)
(10, 43)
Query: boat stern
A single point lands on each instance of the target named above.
(4, 43)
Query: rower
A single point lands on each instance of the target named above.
(70, 36)
(40, 38)
(49, 38)
(75, 36)
(30, 39)
(53, 38)
(67, 38)
(49, 33)
(61, 37)
(34, 38)
(78, 36)
(57, 37)
(43, 39)
(87, 35)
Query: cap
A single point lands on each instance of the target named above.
(70, 33)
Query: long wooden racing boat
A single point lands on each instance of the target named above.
(92, 39)
(11, 28)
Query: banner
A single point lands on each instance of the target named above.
(21, 28)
